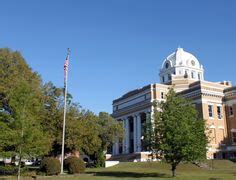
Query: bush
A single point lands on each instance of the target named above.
(100, 159)
(74, 165)
(8, 170)
(51, 166)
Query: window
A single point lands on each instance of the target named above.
(193, 63)
(163, 78)
(162, 95)
(169, 77)
(199, 76)
(234, 137)
(167, 65)
(193, 75)
(219, 112)
(210, 110)
(186, 73)
(231, 112)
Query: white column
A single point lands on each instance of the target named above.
(123, 142)
(127, 132)
(117, 146)
(135, 133)
(139, 133)
(114, 149)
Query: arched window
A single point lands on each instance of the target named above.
(199, 76)
(193, 75)
(186, 73)
(167, 65)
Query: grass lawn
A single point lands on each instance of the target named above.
(222, 169)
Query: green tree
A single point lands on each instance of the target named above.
(20, 108)
(179, 133)
(25, 136)
(109, 131)
(51, 118)
(52, 114)
(82, 133)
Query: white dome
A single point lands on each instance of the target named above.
(181, 58)
(181, 64)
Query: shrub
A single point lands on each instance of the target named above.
(100, 159)
(74, 165)
(51, 166)
(8, 170)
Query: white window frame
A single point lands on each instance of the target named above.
(221, 112)
(162, 95)
(210, 117)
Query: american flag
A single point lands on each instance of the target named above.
(66, 67)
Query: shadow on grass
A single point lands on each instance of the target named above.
(233, 160)
(129, 174)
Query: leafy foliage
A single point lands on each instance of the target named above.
(8, 170)
(51, 166)
(31, 116)
(99, 160)
(178, 132)
(109, 129)
(74, 165)
(20, 104)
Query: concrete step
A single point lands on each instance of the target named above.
(125, 157)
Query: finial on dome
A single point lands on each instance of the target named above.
(179, 48)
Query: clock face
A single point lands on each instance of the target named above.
(167, 65)
(193, 62)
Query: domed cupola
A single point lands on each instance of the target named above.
(181, 64)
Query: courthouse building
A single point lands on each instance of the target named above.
(214, 101)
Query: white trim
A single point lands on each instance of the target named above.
(230, 102)
(212, 126)
(134, 113)
(212, 109)
(213, 149)
(221, 112)
(212, 92)
(211, 101)
(221, 127)
(233, 130)
(137, 95)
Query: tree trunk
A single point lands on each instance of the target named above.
(19, 166)
(173, 168)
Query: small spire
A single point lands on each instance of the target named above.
(179, 48)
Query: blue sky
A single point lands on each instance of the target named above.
(118, 45)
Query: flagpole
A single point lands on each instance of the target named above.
(64, 117)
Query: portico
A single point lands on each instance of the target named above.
(134, 134)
